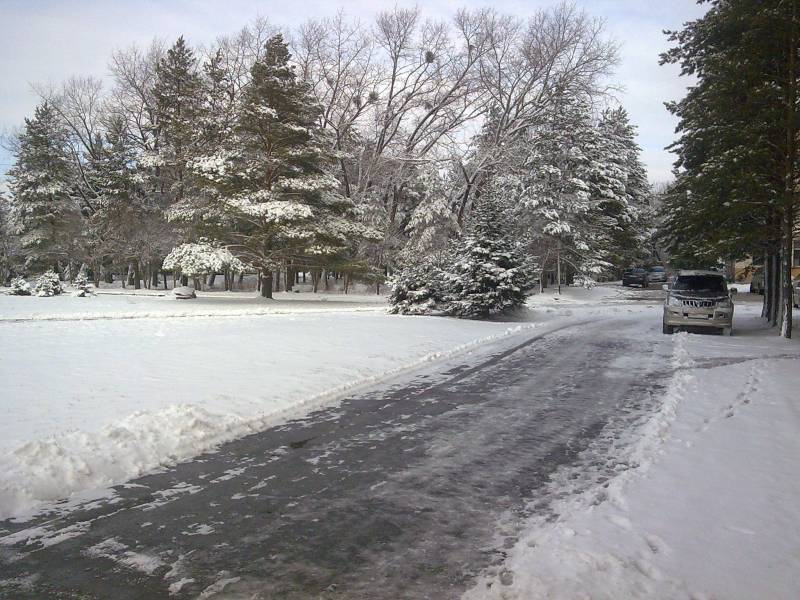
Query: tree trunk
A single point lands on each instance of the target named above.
(558, 266)
(266, 284)
(289, 279)
(790, 178)
(211, 279)
(765, 299)
(774, 284)
(786, 275)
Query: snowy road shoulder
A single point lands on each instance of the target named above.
(710, 509)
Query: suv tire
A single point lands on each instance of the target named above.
(667, 329)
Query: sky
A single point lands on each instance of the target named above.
(47, 41)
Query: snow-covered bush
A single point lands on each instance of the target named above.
(48, 284)
(418, 289)
(82, 285)
(20, 287)
(202, 258)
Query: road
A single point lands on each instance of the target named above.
(407, 491)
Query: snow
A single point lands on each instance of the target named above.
(709, 509)
(147, 304)
(98, 391)
(113, 549)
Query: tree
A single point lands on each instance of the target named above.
(487, 277)
(43, 211)
(621, 189)
(277, 203)
(176, 92)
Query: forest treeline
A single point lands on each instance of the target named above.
(357, 148)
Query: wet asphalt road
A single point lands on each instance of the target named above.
(408, 491)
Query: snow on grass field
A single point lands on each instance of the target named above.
(91, 403)
(710, 509)
(144, 304)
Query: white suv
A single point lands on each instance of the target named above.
(698, 299)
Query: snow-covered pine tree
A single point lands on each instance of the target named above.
(487, 276)
(621, 188)
(82, 285)
(120, 217)
(177, 102)
(48, 284)
(419, 285)
(551, 170)
(8, 241)
(43, 210)
(20, 287)
(276, 204)
(432, 223)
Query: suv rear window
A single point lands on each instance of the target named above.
(657, 269)
(700, 283)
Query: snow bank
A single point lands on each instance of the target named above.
(93, 404)
(709, 509)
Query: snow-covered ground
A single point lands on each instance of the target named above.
(146, 304)
(710, 508)
(99, 390)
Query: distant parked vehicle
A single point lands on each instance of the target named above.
(757, 281)
(698, 299)
(657, 275)
(796, 292)
(635, 276)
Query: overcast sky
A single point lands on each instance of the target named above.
(50, 40)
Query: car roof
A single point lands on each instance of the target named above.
(690, 272)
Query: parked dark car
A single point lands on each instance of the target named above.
(636, 276)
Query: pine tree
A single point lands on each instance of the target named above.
(19, 287)
(276, 203)
(419, 285)
(555, 169)
(177, 102)
(44, 212)
(48, 284)
(487, 277)
(621, 187)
